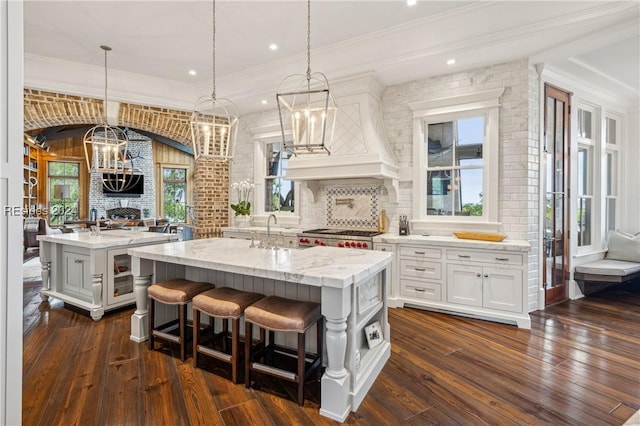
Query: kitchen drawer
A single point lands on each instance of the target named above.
(421, 252)
(494, 257)
(420, 269)
(423, 290)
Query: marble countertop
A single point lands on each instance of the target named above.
(454, 242)
(316, 266)
(275, 230)
(106, 239)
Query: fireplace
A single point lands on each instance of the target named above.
(123, 213)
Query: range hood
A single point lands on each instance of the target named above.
(359, 148)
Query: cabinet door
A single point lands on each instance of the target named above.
(502, 289)
(76, 275)
(119, 285)
(464, 285)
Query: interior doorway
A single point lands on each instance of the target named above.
(555, 263)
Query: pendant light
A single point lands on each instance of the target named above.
(214, 121)
(307, 107)
(105, 149)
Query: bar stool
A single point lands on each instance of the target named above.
(229, 304)
(172, 292)
(275, 313)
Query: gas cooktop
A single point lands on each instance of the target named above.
(343, 232)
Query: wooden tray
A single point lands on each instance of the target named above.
(483, 236)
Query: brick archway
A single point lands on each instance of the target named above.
(46, 109)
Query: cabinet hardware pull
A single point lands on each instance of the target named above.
(477, 274)
(486, 275)
(420, 289)
(464, 256)
(419, 252)
(383, 249)
(502, 258)
(78, 261)
(420, 269)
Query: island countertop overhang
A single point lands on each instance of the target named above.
(317, 266)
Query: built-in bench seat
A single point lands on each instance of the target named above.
(620, 265)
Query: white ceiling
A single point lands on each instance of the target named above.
(597, 40)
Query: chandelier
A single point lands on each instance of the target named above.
(307, 107)
(214, 121)
(105, 149)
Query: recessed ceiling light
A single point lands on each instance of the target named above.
(451, 61)
(411, 2)
(264, 102)
(273, 46)
(192, 72)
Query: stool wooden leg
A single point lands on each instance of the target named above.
(225, 333)
(196, 336)
(301, 352)
(235, 356)
(247, 353)
(183, 331)
(152, 306)
(320, 347)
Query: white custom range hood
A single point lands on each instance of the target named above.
(359, 148)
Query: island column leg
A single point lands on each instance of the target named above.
(45, 261)
(140, 318)
(46, 270)
(97, 311)
(336, 380)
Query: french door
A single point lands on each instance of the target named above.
(555, 263)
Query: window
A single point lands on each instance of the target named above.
(279, 193)
(454, 167)
(585, 196)
(611, 170)
(174, 193)
(63, 203)
(455, 161)
(587, 142)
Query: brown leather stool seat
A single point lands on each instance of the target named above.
(275, 313)
(229, 304)
(172, 292)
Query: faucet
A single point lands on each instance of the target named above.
(275, 221)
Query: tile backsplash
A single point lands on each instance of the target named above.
(353, 206)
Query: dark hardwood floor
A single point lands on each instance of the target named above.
(578, 365)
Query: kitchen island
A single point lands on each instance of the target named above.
(350, 285)
(92, 272)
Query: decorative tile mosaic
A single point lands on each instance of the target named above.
(353, 207)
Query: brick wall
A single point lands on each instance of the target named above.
(211, 178)
(211, 198)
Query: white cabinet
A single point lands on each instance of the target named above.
(119, 277)
(92, 272)
(475, 279)
(76, 274)
(420, 271)
(485, 282)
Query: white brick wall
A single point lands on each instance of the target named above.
(518, 150)
(143, 150)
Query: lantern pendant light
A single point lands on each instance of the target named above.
(105, 149)
(214, 121)
(307, 108)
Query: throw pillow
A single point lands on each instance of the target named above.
(624, 247)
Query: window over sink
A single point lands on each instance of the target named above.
(274, 193)
(455, 169)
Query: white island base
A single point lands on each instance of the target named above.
(350, 285)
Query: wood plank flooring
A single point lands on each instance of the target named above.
(578, 365)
